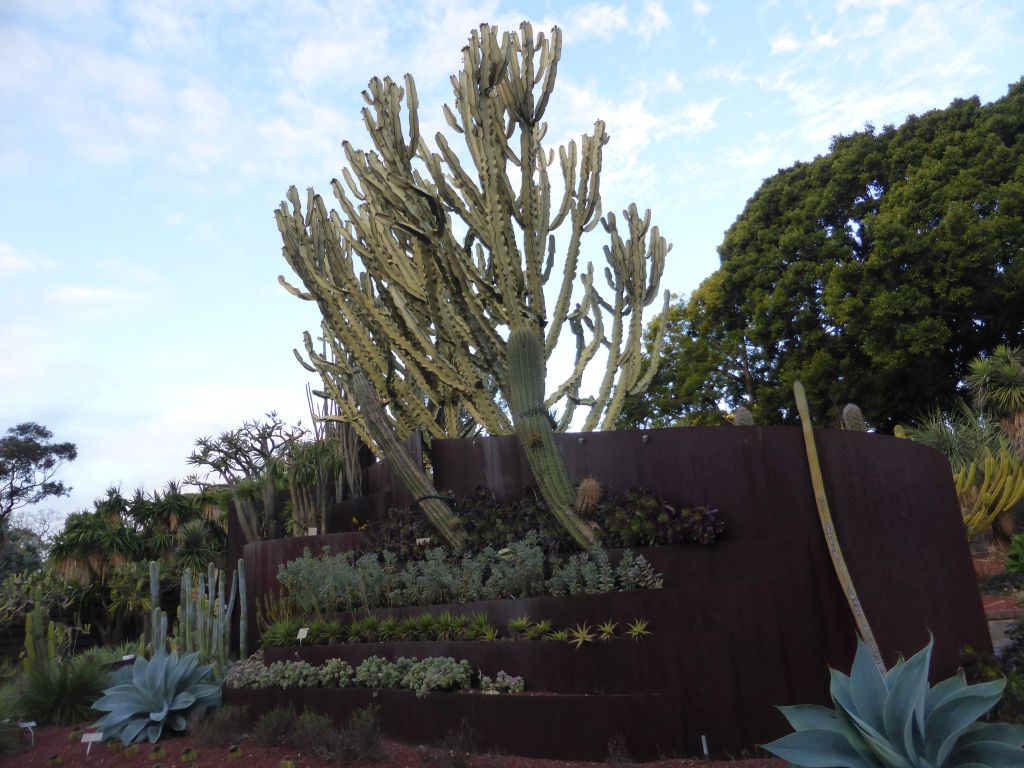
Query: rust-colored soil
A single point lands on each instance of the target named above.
(50, 742)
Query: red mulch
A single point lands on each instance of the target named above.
(54, 741)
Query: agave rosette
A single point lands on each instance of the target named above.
(155, 694)
(896, 720)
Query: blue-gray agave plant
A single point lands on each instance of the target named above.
(153, 694)
(896, 721)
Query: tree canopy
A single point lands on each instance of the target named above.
(874, 274)
(29, 461)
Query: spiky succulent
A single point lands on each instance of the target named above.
(896, 721)
(155, 694)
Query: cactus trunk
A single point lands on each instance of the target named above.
(526, 402)
(243, 612)
(413, 477)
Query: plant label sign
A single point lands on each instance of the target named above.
(89, 739)
(302, 634)
(29, 725)
(311, 531)
(129, 657)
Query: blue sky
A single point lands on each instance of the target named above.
(144, 146)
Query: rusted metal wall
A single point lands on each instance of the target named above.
(756, 620)
(893, 503)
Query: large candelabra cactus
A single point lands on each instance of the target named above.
(451, 305)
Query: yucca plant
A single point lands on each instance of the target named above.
(156, 694)
(896, 721)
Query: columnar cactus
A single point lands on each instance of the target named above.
(447, 315)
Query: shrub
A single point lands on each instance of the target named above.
(10, 734)
(247, 673)
(1015, 556)
(378, 672)
(359, 740)
(275, 727)
(438, 674)
(503, 682)
(60, 692)
(292, 674)
(336, 673)
(220, 726)
(637, 518)
(314, 732)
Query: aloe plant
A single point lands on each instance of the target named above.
(894, 720)
(155, 694)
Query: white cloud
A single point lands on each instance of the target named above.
(92, 299)
(784, 42)
(654, 21)
(730, 73)
(824, 40)
(351, 59)
(11, 261)
(159, 26)
(701, 8)
(594, 20)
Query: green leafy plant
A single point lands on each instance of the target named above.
(896, 719)
(360, 739)
(538, 629)
(336, 673)
(638, 518)
(314, 732)
(437, 674)
(580, 635)
(520, 626)
(155, 694)
(274, 728)
(559, 635)
(606, 631)
(220, 726)
(282, 632)
(52, 689)
(502, 683)
(637, 629)
(1015, 556)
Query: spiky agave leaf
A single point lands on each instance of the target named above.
(158, 693)
(897, 721)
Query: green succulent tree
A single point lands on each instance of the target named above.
(450, 305)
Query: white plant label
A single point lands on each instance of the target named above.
(311, 531)
(303, 634)
(89, 739)
(29, 724)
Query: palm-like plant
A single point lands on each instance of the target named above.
(987, 470)
(997, 384)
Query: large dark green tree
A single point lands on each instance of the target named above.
(874, 274)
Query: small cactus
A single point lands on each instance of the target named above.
(742, 417)
(588, 493)
(853, 418)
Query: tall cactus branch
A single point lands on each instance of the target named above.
(432, 280)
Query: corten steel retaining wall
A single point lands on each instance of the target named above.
(892, 501)
(744, 625)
